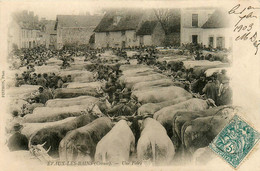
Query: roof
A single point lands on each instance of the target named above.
(147, 28)
(219, 19)
(92, 38)
(77, 20)
(29, 25)
(119, 21)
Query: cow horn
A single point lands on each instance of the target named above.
(43, 144)
(48, 149)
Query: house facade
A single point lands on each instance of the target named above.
(206, 26)
(31, 37)
(21, 35)
(120, 29)
(75, 29)
(24, 31)
(49, 33)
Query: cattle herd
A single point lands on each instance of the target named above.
(154, 119)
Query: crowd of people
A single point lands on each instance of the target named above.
(215, 87)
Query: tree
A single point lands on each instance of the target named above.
(169, 19)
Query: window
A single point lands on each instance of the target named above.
(123, 33)
(220, 42)
(195, 39)
(195, 20)
(211, 41)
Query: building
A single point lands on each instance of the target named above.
(207, 26)
(49, 33)
(24, 31)
(128, 28)
(150, 33)
(75, 29)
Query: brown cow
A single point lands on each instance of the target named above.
(54, 134)
(198, 133)
(185, 116)
(75, 92)
(80, 144)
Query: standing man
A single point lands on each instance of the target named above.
(17, 141)
(225, 94)
(210, 89)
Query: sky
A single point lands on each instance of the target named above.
(50, 8)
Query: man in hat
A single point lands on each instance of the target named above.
(199, 84)
(17, 141)
(41, 80)
(211, 89)
(225, 94)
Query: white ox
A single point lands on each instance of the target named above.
(81, 100)
(50, 114)
(152, 83)
(151, 108)
(22, 92)
(97, 85)
(154, 143)
(117, 145)
(132, 80)
(156, 95)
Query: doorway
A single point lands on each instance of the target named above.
(195, 39)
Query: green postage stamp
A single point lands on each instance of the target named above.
(235, 141)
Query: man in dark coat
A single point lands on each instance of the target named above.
(225, 94)
(211, 90)
(17, 141)
(198, 85)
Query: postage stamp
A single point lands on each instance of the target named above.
(235, 141)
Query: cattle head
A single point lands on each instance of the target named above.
(94, 110)
(40, 152)
(99, 90)
(211, 103)
(105, 100)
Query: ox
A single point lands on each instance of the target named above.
(130, 81)
(80, 144)
(54, 134)
(30, 128)
(153, 83)
(151, 108)
(181, 117)
(155, 95)
(198, 133)
(50, 114)
(165, 115)
(117, 145)
(81, 100)
(75, 92)
(154, 143)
